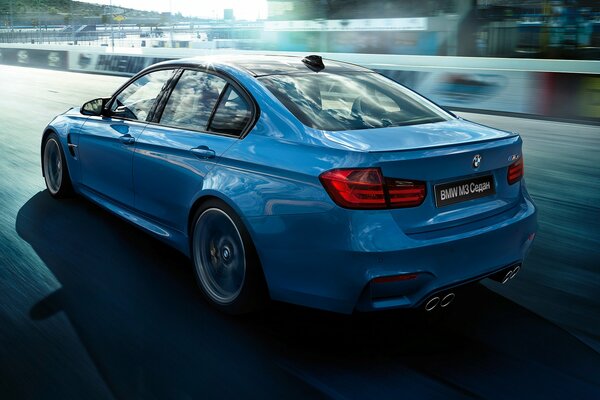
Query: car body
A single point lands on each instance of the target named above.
(340, 213)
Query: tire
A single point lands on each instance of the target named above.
(225, 261)
(54, 166)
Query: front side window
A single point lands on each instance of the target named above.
(137, 99)
(350, 101)
(192, 101)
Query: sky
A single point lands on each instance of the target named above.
(242, 9)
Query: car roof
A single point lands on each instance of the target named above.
(261, 65)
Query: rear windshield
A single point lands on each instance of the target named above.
(348, 101)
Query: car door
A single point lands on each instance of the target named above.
(204, 115)
(106, 142)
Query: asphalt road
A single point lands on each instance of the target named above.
(91, 307)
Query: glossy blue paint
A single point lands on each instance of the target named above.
(413, 136)
(106, 159)
(312, 251)
(165, 155)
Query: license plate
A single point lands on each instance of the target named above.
(468, 189)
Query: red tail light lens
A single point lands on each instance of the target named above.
(355, 188)
(364, 188)
(405, 193)
(515, 171)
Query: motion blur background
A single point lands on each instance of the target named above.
(480, 41)
(91, 307)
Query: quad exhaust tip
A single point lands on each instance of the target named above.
(447, 300)
(511, 274)
(507, 274)
(515, 271)
(442, 302)
(507, 277)
(432, 303)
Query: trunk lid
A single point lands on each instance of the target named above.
(442, 156)
(412, 137)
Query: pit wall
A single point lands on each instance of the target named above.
(567, 89)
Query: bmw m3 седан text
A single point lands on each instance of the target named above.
(303, 180)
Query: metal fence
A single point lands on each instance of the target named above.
(50, 37)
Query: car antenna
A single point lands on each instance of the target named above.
(314, 62)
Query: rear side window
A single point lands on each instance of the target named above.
(137, 99)
(232, 114)
(348, 101)
(192, 101)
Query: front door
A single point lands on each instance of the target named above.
(106, 143)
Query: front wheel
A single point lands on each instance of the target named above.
(55, 169)
(226, 264)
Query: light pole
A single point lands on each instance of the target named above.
(39, 21)
(10, 8)
(112, 33)
(171, 21)
(72, 20)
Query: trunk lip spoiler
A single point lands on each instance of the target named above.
(342, 140)
(439, 146)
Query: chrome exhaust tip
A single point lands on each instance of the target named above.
(432, 303)
(506, 274)
(447, 300)
(509, 275)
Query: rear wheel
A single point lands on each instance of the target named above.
(225, 260)
(55, 169)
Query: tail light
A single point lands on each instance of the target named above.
(355, 188)
(404, 193)
(515, 171)
(365, 188)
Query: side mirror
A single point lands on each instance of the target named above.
(94, 107)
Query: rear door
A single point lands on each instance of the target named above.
(204, 115)
(106, 143)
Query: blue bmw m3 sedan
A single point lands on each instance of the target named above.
(302, 180)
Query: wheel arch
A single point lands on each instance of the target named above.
(45, 135)
(214, 195)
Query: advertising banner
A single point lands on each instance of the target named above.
(332, 25)
(506, 91)
(114, 64)
(54, 59)
(574, 96)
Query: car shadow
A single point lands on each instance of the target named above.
(135, 307)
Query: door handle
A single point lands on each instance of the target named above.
(127, 139)
(203, 152)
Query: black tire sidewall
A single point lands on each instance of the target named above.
(66, 188)
(253, 294)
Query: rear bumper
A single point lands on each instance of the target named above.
(329, 260)
(456, 262)
(376, 297)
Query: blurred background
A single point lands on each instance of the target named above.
(492, 28)
(91, 307)
(514, 56)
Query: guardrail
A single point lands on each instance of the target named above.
(550, 88)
